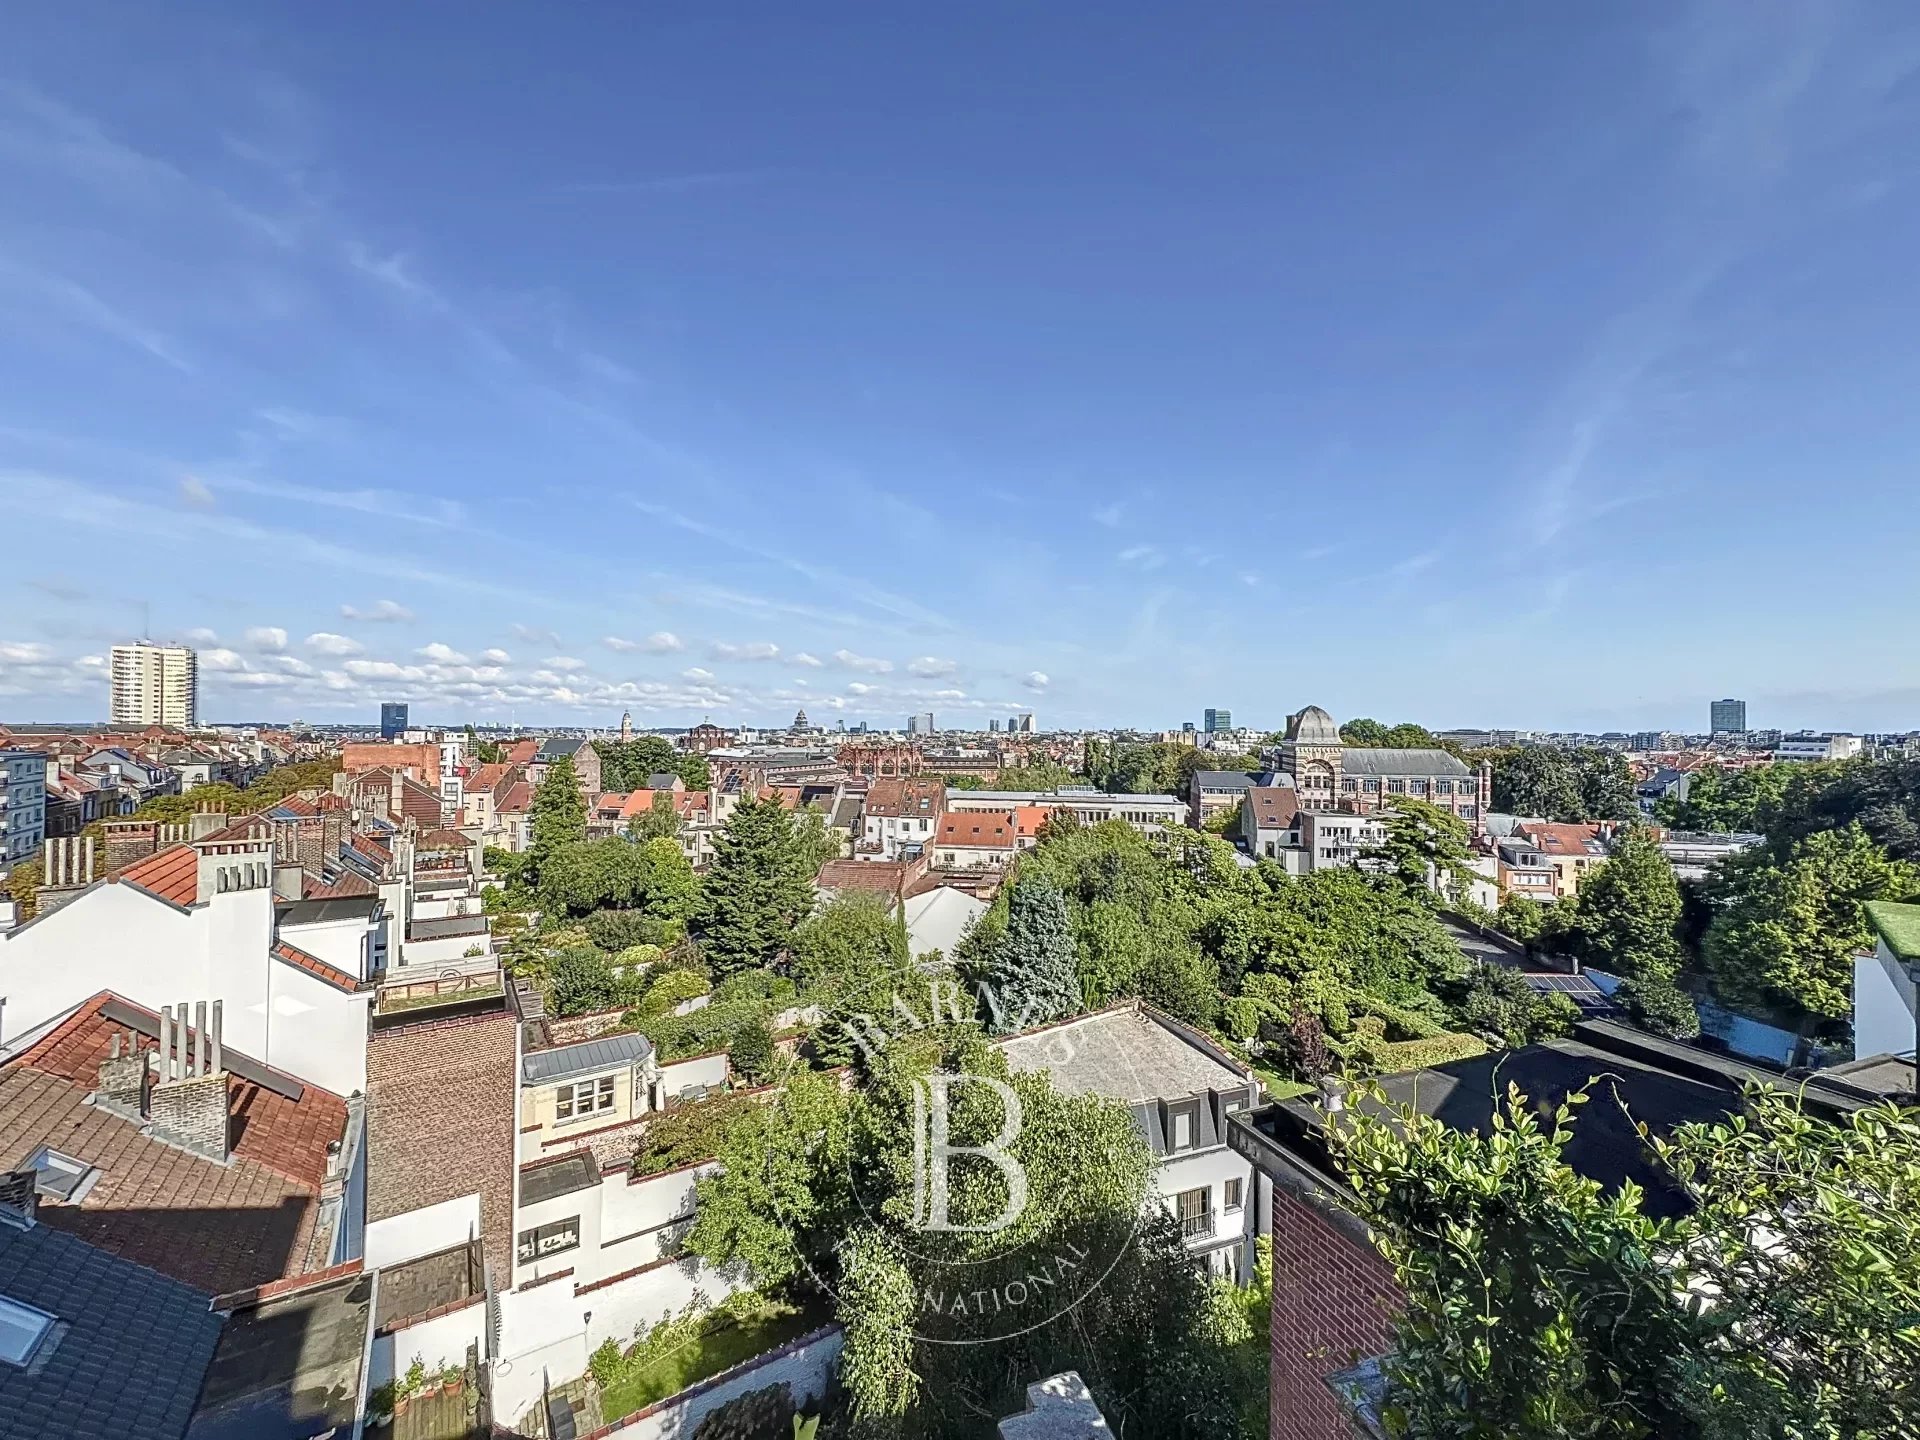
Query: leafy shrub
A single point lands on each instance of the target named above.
(758, 1415)
(615, 930)
(752, 1051)
(1395, 1056)
(778, 990)
(639, 957)
(1494, 1000)
(1402, 1023)
(1660, 1006)
(687, 1134)
(1299, 1046)
(605, 1363)
(579, 980)
(669, 989)
(702, 1031)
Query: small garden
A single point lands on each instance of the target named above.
(694, 1345)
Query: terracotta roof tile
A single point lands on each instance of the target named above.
(316, 967)
(173, 874)
(217, 1227)
(981, 829)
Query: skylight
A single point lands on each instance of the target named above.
(22, 1328)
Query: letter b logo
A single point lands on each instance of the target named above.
(933, 1151)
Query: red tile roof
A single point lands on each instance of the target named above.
(216, 1227)
(316, 967)
(906, 797)
(519, 797)
(882, 876)
(347, 885)
(981, 829)
(173, 874)
(1028, 819)
(1565, 838)
(521, 752)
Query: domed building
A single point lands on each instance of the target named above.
(1329, 774)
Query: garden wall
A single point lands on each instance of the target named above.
(805, 1365)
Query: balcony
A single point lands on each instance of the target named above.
(1197, 1227)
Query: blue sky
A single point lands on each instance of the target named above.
(1541, 366)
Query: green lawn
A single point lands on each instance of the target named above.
(1278, 1086)
(723, 1345)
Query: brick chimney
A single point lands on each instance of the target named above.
(19, 1200)
(130, 840)
(206, 821)
(69, 870)
(188, 1107)
(313, 840)
(122, 1087)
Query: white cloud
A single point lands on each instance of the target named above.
(658, 643)
(383, 670)
(201, 635)
(22, 652)
(325, 642)
(932, 666)
(496, 656)
(268, 639)
(754, 650)
(1035, 680)
(1147, 557)
(696, 673)
(566, 662)
(846, 659)
(856, 688)
(382, 612)
(194, 492)
(1107, 515)
(534, 635)
(812, 662)
(441, 654)
(223, 662)
(949, 694)
(293, 664)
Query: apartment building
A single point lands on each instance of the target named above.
(900, 814)
(1145, 813)
(155, 685)
(23, 805)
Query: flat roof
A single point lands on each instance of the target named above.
(320, 912)
(1899, 926)
(1122, 1054)
(965, 798)
(551, 1179)
(288, 1367)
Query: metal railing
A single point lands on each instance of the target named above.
(1197, 1227)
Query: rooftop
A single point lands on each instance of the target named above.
(588, 1057)
(288, 1368)
(1124, 1054)
(217, 1227)
(550, 1179)
(131, 1359)
(1899, 926)
(442, 1107)
(1370, 760)
(325, 912)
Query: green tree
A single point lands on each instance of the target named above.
(580, 980)
(1786, 931)
(660, 821)
(1538, 1306)
(1627, 911)
(559, 815)
(752, 1051)
(655, 878)
(758, 888)
(818, 842)
(1426, 848)
(626, 765)
(1372, 734)
(1034, 978)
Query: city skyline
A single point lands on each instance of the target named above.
(1266, 361)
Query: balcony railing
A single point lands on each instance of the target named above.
(1197, 1227)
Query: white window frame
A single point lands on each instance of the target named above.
(583, 1099)
(1232, 1194)
(23, 1330)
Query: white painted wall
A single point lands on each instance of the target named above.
(677, 1075)
(1884, 1004)
(343, 944)
(806, 1370)
(430, 957)
(425, 1231)
(443, 1340)
(115, 937)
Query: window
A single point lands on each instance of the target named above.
(1396, 787)
(1443, 787)
(1350, 785)
(1230, 1196)
(576, 1102)
(22, 1328)
(61, 1177)
(1182, 1130)
(1196, 1211)
(544, 1240)
(1372, 787)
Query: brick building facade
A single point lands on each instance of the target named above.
(1333, 1303)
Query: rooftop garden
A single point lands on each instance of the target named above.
(694, 1346)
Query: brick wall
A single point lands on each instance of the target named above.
(1333, 1302)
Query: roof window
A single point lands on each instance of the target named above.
(22, 1331)
(61, 1177)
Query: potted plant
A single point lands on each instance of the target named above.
(380, 1402)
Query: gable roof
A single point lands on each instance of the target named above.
(1272, 807)
(979, 829)
(919, 796)
(172, 874)
(320, 970)
(217, 1227)
(1562, 838)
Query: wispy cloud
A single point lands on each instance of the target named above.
(79, 303)
(658, 643)
(194, 492)
(663, 184)
(381, 612)
(754, 650)
(872, 665)
(1145, 557)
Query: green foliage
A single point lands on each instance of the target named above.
(625, 765)
(1625, 915)
(1660, 1006)
(1560, 784)
(1034, 775)
(818, 841)
(758, 889)
(558, 817)
(688, 1134)
(621, 930)
(783, 1209)
(1522, 918)
(584, 876)
(1033, 974)
(764, 1414)
(660, 820)
(1751, 798)
(581, 979)
(1491, 999)
(713, 1027)
(1404, 736)
(671, 988)
(1786, 930)
(1537, 1306)
(848, 943)
(752, 1052)
(1425, 847)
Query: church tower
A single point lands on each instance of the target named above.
(1311, 751)
(626, 725)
